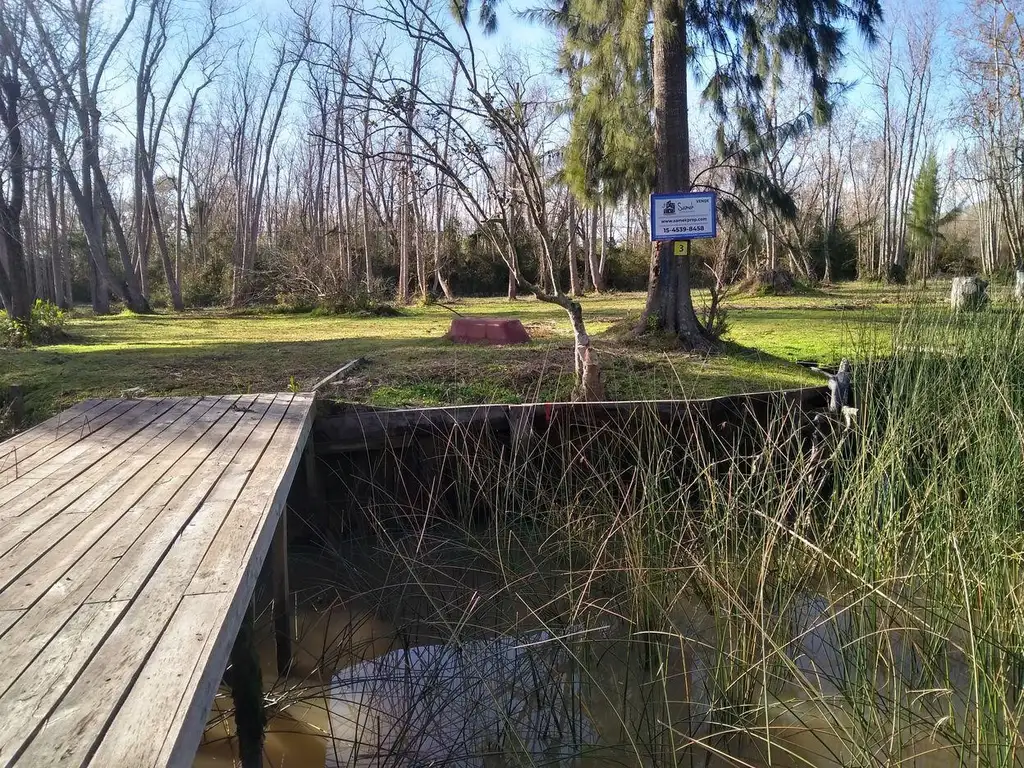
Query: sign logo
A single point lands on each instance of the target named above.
(669, 208)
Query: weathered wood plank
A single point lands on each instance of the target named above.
(117, 425)
(254, 518)
(107, 661)
(133, 568)
(40, 623)
(284, 614)
(155, 700)
(58, 513)
(25, 444)
(28, 570)
(56, 453)
(7, 619)
(24, 705)
(75, 725)
(25, 538)
(361, 429)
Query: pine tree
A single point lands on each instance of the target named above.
(926, 218)
(924, 212)
(734, 48)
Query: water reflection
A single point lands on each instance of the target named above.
(713, 698)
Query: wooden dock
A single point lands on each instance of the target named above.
(131, 536)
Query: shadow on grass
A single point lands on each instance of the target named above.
(412, 371)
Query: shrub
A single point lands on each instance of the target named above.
(206, 286)
(896, 274)
(45, 325)
(345, 298)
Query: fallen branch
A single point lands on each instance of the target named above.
(346, 367)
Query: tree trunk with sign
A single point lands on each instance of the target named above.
(669, 303)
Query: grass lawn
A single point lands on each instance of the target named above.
(410, 362)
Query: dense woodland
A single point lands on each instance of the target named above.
(191, 153)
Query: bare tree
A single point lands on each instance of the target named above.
(992, 119)
(149, 127)
(253, 146)
(902, 72)
(497, 105)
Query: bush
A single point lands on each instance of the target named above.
(770, 282)
(45, 325)
(896, 274)
(345, 298)
(206, 287)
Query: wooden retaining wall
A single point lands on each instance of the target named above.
(393, 463)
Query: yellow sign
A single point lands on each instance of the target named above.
(681, 247)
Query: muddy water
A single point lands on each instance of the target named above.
(379, 602)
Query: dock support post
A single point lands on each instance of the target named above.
(247, 694)
(314, 486)
(283, 614)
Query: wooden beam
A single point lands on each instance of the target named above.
(316, 496)
(284, 616)
(359, 428)
(247, 695)
(346, 367)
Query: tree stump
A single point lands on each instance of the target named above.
(1018, 285)
(968, 293)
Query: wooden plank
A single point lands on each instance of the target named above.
(28, 536)
(24, 706)
(189, 723)
(67, 447)
(40, 623)
(93, 486)
(360, 429)
(23, 445)
(133, 568)
(254, 518)
(315, 493)
(155, 697)
(7, 619)
(117, 425)
(75, 726)
(29, 570)
(332, 376)
(284, 615)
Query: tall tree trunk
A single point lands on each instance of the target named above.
(669, 303)
(574, 272)
(602, 265)
(56, 267)
(592, 258)
(13, 276)
(421, 256)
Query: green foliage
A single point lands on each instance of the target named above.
(628, 266)
(433, 394)
(924, 206)
(346, 298)
(206, 286)
(608, 60)
(896, 274)
(839, 246)
(45, 325)
(957, 256)
(610, 154)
